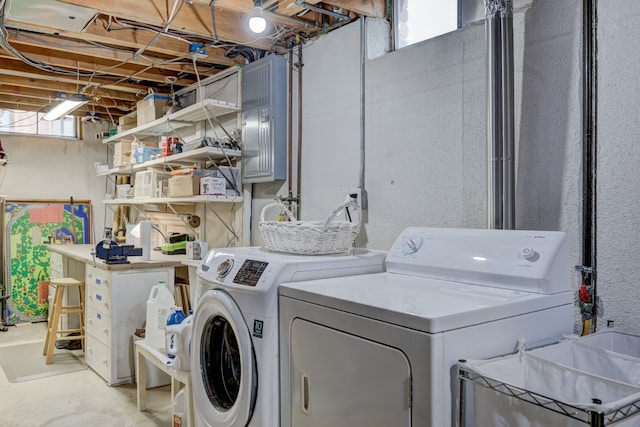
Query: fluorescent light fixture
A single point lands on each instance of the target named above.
(257, 23)
(66, 106)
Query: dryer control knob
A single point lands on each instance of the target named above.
(412, 245)
(529, 254)
(224, 268)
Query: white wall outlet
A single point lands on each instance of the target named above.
(357, 192)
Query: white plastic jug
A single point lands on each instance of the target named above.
(179, 408)
(178, 344)
(159, 306)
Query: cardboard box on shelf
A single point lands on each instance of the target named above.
(121, 153)
(127, 122)
(231, 176)
(141, 152)
(151, 108)
(180, 186)
(128, 119)
(123, 128)
(212, 186)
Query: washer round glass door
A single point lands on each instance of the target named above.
(223, 366)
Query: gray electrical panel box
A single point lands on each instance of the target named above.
(264, 120)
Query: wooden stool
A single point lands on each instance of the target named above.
(58, 310)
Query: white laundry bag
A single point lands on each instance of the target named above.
(527, 391)
(596, 361)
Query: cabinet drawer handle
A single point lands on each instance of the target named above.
(306, 397)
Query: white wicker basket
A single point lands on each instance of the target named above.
(310, 237)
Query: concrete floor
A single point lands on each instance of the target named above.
(75, 399)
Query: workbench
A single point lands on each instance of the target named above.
(116, 297)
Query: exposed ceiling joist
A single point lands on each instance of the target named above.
(190, 18)
(97, 53)
(131, 46)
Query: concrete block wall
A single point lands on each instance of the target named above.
(425, 129)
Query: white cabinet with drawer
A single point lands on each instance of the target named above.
(116, 304)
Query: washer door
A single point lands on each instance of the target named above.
(224, 368)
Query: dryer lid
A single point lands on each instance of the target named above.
(423, 304)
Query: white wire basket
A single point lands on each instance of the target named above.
(331, 236)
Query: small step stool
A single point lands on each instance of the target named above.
(53, 333)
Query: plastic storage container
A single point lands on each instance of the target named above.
(159, 307)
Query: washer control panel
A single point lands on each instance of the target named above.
(250, 272)
(224, 268)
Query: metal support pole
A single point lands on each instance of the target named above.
(462, 401)
(500, 115)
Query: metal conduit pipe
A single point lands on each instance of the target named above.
(364, 202)
(500, 116)
(299, 165)
(290, 124)
(588, 268)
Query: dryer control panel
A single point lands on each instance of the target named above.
(522, 260)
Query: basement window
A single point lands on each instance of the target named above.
(418, 20)
(31, 123)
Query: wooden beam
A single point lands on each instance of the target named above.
(24, 100)
(100, 31)
(231, 25)
(50, 95)
(247, 7)
(46, 103)
(13, 104)
(26, 107)
(78, 62)
(56, 86)
(106, 56)
(373, 8)
(20, 69)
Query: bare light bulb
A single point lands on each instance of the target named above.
(257, 23)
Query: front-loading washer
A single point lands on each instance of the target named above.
(234, 342)
(381, 350)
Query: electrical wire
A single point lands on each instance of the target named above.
(174, 12)
(233, 48)
(212, 6)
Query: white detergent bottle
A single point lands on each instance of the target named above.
(179, 408)
(159, 307)
(178, 344)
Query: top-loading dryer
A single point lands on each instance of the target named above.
(234, 341)
(380, 350)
